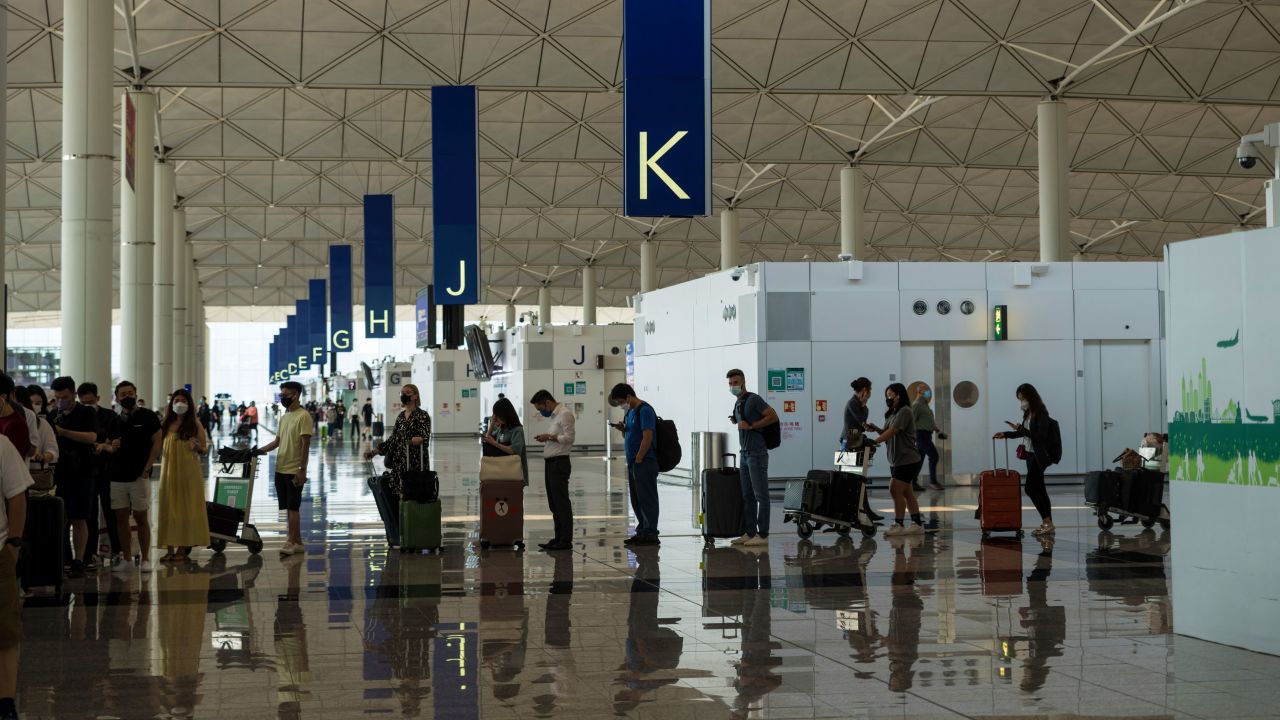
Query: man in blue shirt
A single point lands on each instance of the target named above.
(639, 429)
(750, 414)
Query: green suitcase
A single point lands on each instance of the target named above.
(419, 526)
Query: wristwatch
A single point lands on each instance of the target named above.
(14, 541)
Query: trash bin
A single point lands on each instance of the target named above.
(708, 452)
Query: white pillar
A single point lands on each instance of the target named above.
(728, 239)
(189, 330)
(87, 155)
(4, 88)
(1051, 130)
(588, 295)
(162, 323)
(544, 305)
(511, 315)
(137, 242)
(178, 329)
(648, 266)
(853, 198)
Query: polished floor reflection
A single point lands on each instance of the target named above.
(940, 626)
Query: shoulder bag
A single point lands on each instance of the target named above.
(421, 485)
(501, 467)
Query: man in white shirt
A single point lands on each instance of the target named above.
(14, 481)
(555, 452)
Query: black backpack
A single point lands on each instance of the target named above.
(772, 432)
(1053, 440)
(667, 439)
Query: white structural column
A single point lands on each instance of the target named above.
(178, 329)
(162, 323)
(853, 198)
(728, 238)
(648, 266)
(137, 242)
(87, 156)
(189, 329)
(4, 88)
(1051, 131)
(511, 316)
(544, 305)
(588, 295)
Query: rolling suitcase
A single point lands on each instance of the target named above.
(1000, 567)
(43, 542)
(722, 502)
(502, 513)
(388, 506)
(1000, 498)
(419, 526)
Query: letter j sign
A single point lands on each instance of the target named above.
(667, 107)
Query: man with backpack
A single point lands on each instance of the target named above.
(639, 430)
(758, 433)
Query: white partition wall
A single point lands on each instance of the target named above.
(1224, 427)
(449, 391)
(1074, 329)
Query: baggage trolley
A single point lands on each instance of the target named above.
(233, 487)
(1149, 516)
(855, 463)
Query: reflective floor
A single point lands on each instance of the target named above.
(944, 626)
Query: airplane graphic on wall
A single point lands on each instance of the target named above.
(1230, 343)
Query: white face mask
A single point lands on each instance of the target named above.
(37, 407)
(1024, 405)
(180, 408)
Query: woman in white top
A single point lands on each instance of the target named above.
(45, 442)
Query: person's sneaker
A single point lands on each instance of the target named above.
(647, 540)
(632, 540)
(917, 487)
(914, 529)
(292, 549)
(91, 564)
(756, 541)
(125, 567)
(77, 570)
(741, 540)
(1043, 530)
(935, 486)
(145, 566)
(895, 530)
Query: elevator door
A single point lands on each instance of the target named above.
(1126, 396)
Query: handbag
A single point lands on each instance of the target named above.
(42, 478)
(505, 467)
(421, 485)
(1021, 452)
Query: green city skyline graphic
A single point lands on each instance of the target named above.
(1218, 440)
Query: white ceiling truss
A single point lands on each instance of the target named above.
(281, 114)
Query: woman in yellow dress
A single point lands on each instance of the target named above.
(184, 522)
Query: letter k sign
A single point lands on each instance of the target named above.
(648, 163)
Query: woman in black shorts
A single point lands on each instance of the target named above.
(904, 460)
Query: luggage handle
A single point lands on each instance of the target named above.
(994, 457)
(731, 455)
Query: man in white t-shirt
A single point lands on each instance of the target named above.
(14, 481)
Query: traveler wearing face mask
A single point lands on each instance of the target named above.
(76, 428)
(904, 460)
(183, 522)
(558, 443)
(750, 414)
(1034, 427)
(131, 467)
(293, 438)
(411, 432)
(926, 426)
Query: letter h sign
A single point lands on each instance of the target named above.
(667, 107)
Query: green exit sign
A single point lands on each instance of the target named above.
(1000, 322)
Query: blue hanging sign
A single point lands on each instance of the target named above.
(302, 337)
(455, 194)
(666, 107)
(340, 313)
(289, 349)
(318, 303)
(421, 313)
(379, 266)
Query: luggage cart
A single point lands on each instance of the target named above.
(1149, 516)
(233, 487)
(807, 521)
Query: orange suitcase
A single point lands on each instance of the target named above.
(502, 513)
(1000, 498)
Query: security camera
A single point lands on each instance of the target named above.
(737, 273)
(844, 257)
(1247, 154)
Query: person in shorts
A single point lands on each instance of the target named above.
(14, 481)
(293, 439)
(130, 473)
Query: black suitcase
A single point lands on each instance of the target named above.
(1102, 487)
(722, 502)
(833, 494)
(1141, 492)
(43, 542)
(388, 506)
(223, 519)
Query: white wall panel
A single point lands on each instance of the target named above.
(934, 326)
(835, 366)
(864, 310)
(1048, 365)
(1117, 314)
(970, 431)
(942, 276)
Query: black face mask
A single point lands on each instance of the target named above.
(128, 403)
(286, 401)
(405, 398)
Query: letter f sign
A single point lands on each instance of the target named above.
(648, 163)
